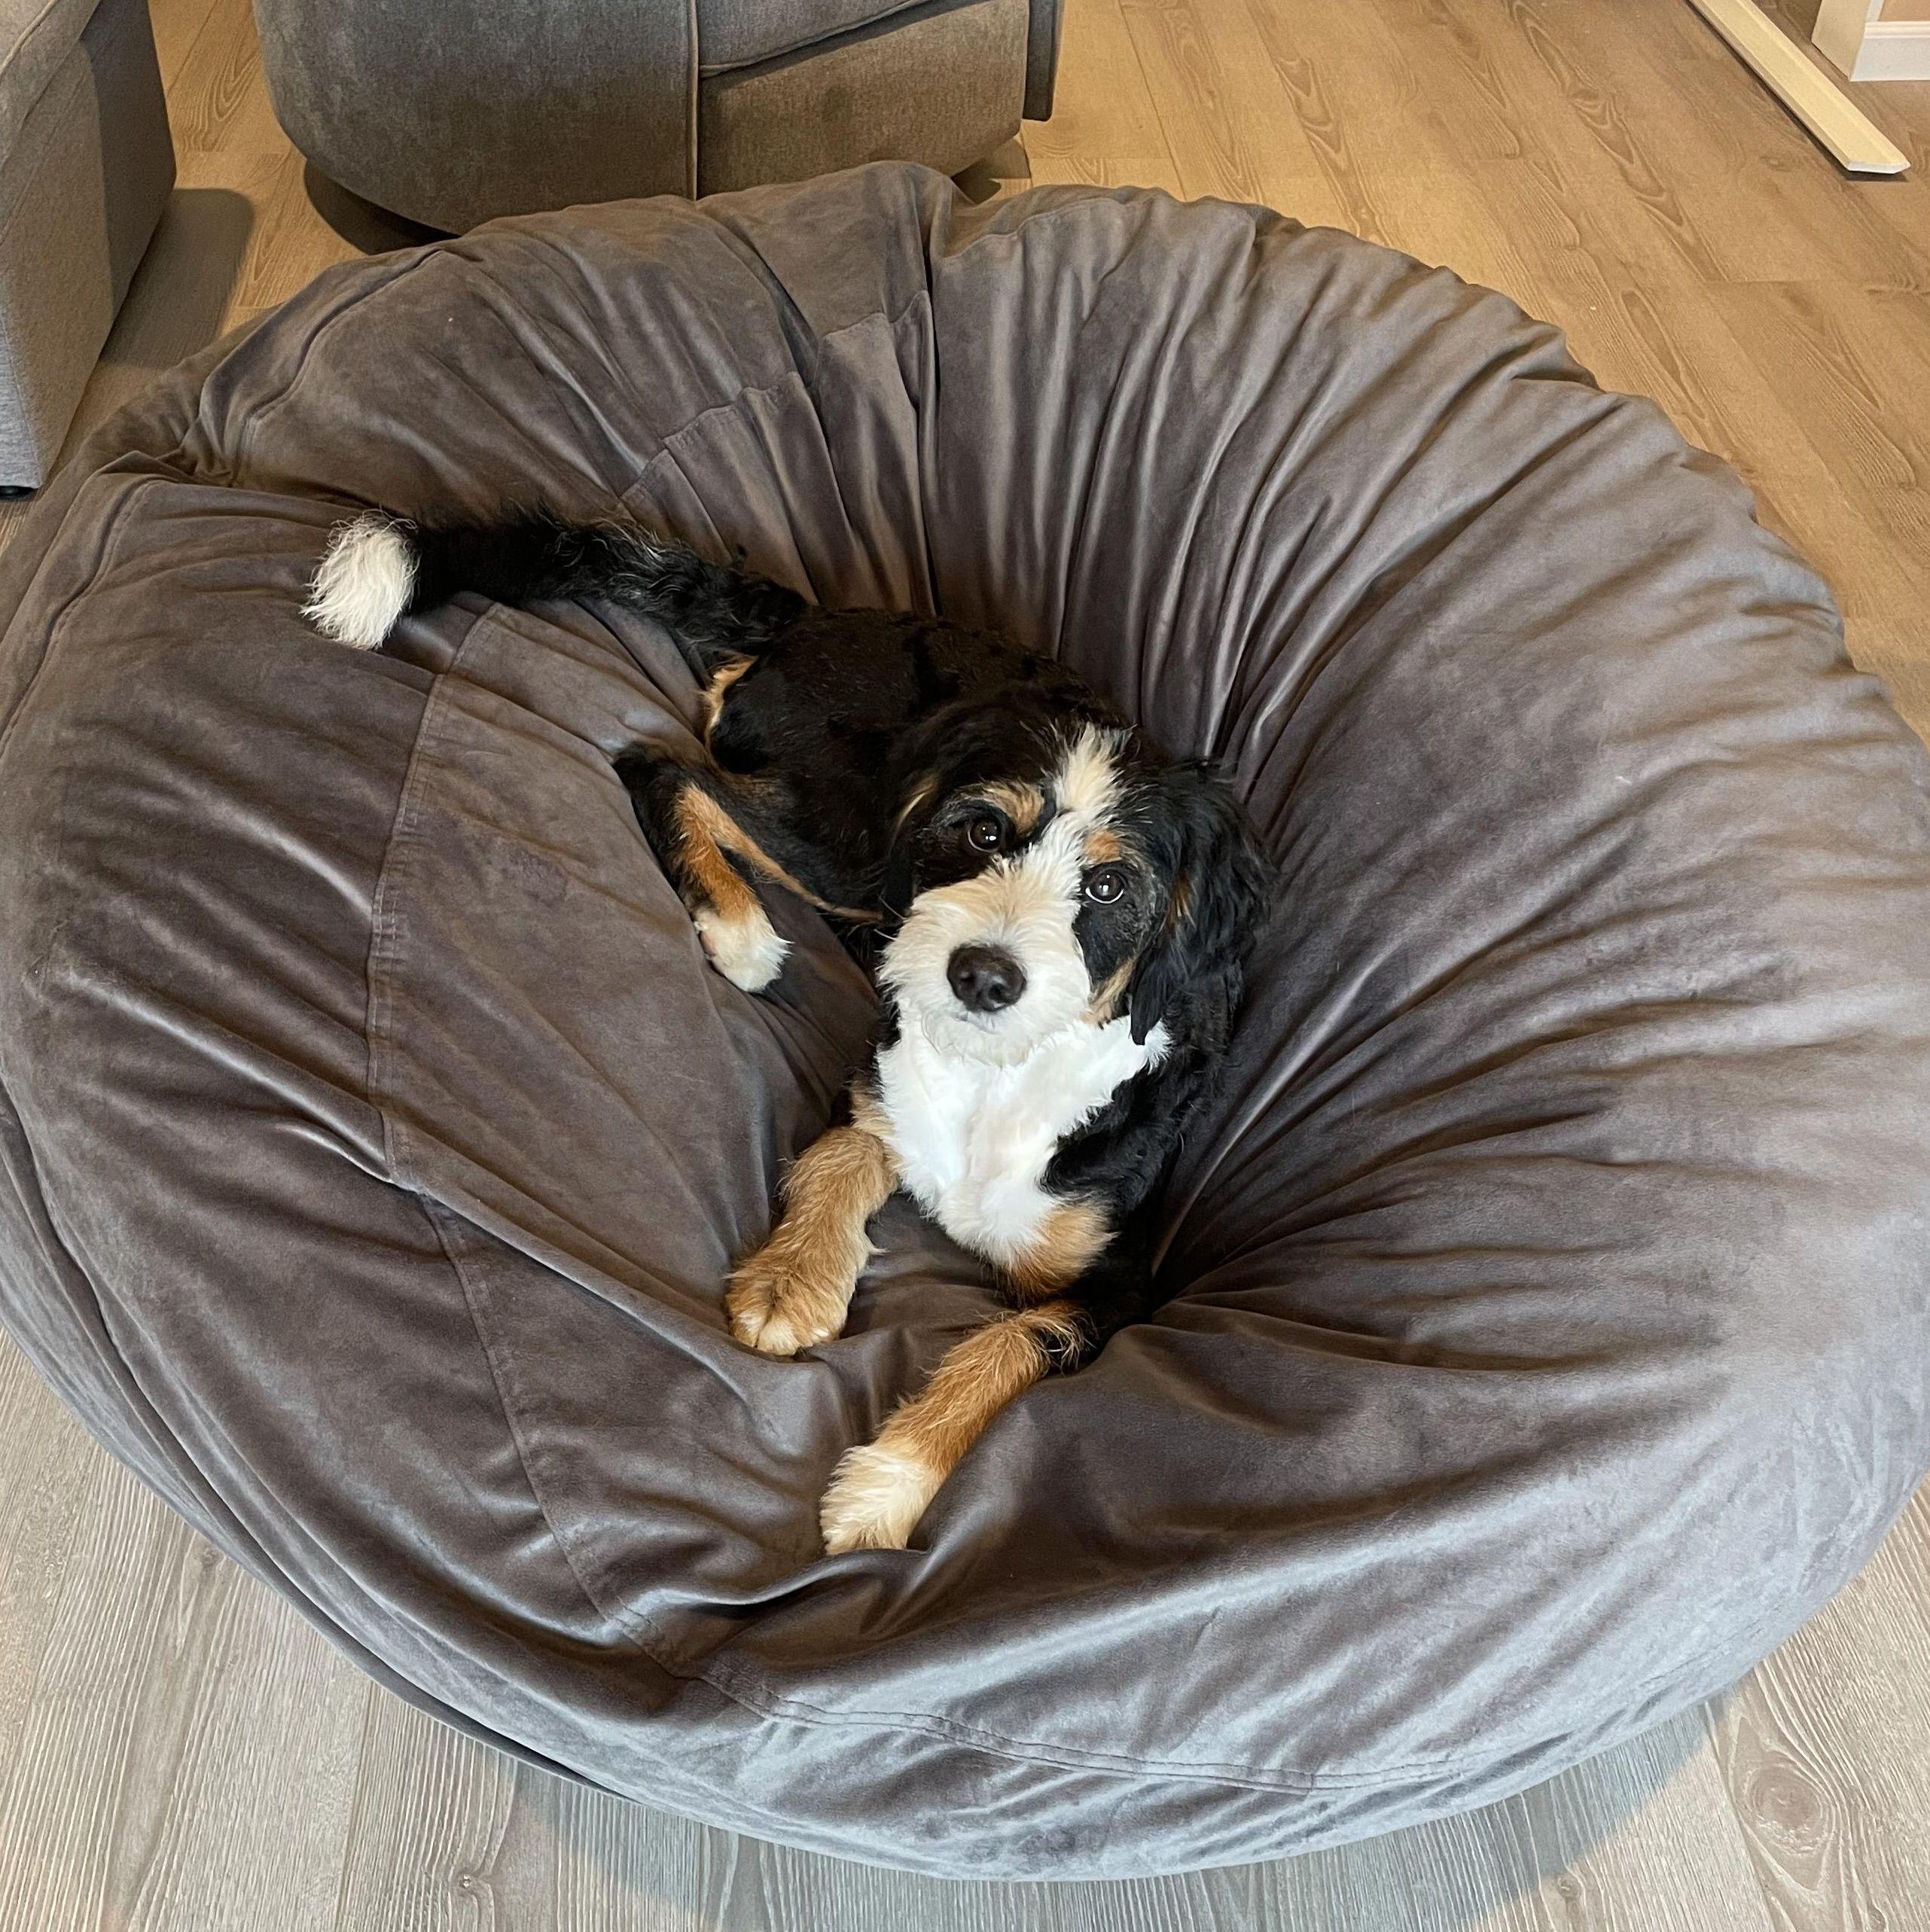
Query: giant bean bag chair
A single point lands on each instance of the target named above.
(1547, 1288)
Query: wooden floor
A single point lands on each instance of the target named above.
(178, 1751)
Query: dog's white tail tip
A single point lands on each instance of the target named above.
(363, 584)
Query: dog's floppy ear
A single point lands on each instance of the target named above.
(1191, 973)
(915, 797)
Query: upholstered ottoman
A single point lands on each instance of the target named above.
(452, 113)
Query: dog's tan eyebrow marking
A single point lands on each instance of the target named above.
(1103, 846)
(706, 826)
(1023, 804)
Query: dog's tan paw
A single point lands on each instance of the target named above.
(876, 1495)
(746, 949)
(768, 1312)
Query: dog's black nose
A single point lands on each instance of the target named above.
(985, 979)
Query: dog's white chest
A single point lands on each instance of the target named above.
(973, 1139)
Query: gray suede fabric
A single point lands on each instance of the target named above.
(1548, 1287)
(734, 33)
(943, 83)
(35, 37)
(84, 176)
(453, 113)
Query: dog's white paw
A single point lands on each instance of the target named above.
(363, 582)
(876, 1495)
(747, 950)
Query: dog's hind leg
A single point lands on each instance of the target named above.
(707, 828)
(682, 823)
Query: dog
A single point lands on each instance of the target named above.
(1061, 914)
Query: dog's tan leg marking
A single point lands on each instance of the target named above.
(714, 821)
(793, 1292)
(710, 701)
(736, 931)
(1068, 1240)
(880, 1489)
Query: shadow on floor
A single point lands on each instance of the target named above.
(180, 293)
(175, 305)
(1004, 171)
(362, 224)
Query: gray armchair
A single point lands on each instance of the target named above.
(452, 112)
(86, 167)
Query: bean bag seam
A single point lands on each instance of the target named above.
(110, 537)
(384, 929)
(385, 924)
(259, 415)
(631, 1625)
(1207, 1771)
(436, 1214)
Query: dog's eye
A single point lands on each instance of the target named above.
(987, 832)
(1104, 884)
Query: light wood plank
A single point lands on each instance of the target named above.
(1827, 1765)
(1104, 127)
(1227, 125)
(133, 1784)
(176, 27)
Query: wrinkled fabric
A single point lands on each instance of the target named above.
(1548, 1285)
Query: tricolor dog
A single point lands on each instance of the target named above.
(1061, 912)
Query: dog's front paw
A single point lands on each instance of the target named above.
(745, 947)
(772, 1310)
(877, 1493)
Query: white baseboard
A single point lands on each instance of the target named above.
(1855, 39)
(1893, 50)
